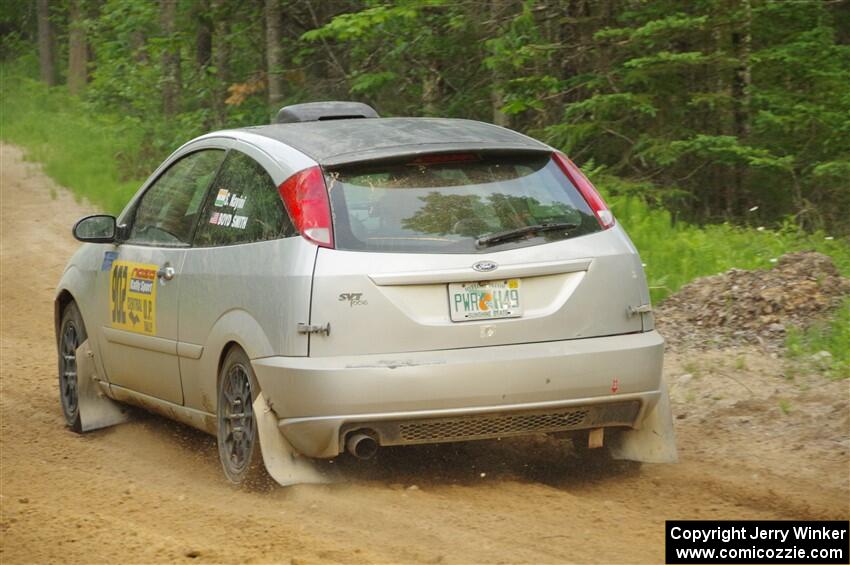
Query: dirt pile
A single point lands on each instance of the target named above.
(752, 306)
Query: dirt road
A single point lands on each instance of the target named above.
(753, 445)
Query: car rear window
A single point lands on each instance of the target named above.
(445, 203)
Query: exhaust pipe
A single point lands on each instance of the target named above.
(361, 445)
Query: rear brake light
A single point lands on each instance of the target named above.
(306, 199)
(587, 190)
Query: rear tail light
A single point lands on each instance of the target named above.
(306, 199)
(603, 215)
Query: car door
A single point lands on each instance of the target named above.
(247, 275)
(140, 288)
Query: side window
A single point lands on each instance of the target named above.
(243, 206)
(168, 210)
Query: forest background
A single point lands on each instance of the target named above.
(718, 130)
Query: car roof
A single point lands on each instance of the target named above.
(345, 141)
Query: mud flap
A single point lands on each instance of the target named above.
(655, 441)
(96, 409)
(282, 461)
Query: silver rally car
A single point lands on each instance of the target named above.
(340, 281)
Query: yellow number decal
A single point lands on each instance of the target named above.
(132, 300)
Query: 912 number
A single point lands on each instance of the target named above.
(119, 294)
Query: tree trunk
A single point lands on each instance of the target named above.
(137, 44)
(170, 59)
(431, 92)
(204, 34)
(497, 95)
(274, 55)
(77, 50)
(741, 82)
(46, 44)
(742, 42)
(221, 59)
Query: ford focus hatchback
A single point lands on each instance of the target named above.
(339, 282)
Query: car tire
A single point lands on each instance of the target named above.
(238, 439)
(72, 332)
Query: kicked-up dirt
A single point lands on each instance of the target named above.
(753, 445)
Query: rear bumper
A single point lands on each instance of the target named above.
(497, 391)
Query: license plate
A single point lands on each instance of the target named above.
(485, 300)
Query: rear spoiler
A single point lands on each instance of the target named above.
(411, 152)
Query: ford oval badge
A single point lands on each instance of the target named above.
(485, 266)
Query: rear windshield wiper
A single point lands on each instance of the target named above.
(517, 233)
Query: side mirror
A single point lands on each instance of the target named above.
(99, 228)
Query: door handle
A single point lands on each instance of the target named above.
(166, 272)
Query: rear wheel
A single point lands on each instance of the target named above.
(238, 440)
(72, 333)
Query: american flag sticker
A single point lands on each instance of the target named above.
(214, 218)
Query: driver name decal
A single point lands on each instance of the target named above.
(132, 297)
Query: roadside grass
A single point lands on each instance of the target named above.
(674, 254)
(677, 254)
(807, 347)
(97, 156)
(77, 148)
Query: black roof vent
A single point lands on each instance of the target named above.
(320, 111)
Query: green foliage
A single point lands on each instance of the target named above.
(361, 24)
(736, 103)
(675, 253)
(89, 152)
(719, 149)
(830, 336)
(731, 113)
(712, 107)
(410, 57)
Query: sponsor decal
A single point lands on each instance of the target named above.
(228, 199)
(222, 197)
(132, 300)
(141, 286)
(237, 202)
(229, 220)
(108, 258)
(146, 274)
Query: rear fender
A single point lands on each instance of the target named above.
(283, 463)
(200, 377)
